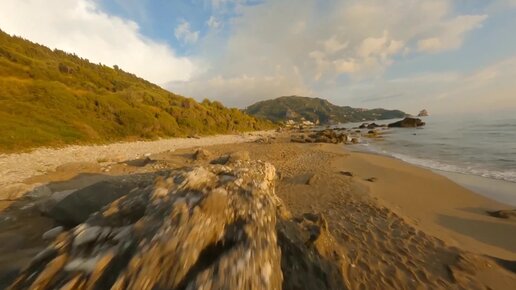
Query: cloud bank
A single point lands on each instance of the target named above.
(79, 26)
(282, 47)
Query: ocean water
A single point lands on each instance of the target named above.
(475, 145)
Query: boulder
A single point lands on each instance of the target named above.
(76, 207)
(206, 227)
(373, 126)
(200, 228)
(408, 122)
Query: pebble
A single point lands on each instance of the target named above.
(88, 235)
(52, 233)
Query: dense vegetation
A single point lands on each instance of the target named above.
(315, 109)
(54, 98)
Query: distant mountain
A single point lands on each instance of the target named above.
(316, 109)
(49, 97)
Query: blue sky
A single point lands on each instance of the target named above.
(447, 56)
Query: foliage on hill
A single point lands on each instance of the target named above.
(49, 97)
(316, 109)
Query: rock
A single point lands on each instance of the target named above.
(195, 232)
(423, 113)
(323, 136)
(205, 227)
(45, 205)
(369, 126)
(239, 156)
(355, 140)
(311, 179)
(504, 214)
(372, 179)
(221, 159)
(263, 140)
(39, 192)
(408, 122)
(346, 173)
(52, 233)
(76, 207)
(202, 154)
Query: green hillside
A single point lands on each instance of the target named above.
(49, 97)
(315, 109)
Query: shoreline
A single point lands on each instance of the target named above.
(439, 205)
(499, 190)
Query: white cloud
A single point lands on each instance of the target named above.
(450, 35)
(240, 90)
(214, 23)
(491, 88)
(79, 26)
(184, 33)
(359, 39)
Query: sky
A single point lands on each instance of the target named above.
(448, 56)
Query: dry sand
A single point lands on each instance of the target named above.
(407, 228)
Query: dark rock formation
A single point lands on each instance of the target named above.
(370, 126)
(213, 227)
(408, 122)
(504, 214)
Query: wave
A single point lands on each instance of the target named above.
(507, 175)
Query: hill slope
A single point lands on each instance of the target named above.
(313, 109)
(49, 97)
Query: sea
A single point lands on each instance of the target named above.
(477, 151)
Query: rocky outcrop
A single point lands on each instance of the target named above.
(324, 136)
(423, 113)
(504, 214)
(408, 122)
(206, 227)
(370, 126)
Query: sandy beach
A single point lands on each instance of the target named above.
(401, 226)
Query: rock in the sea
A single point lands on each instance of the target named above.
(408, 122)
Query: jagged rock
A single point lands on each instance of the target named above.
(201, 228)
(408, 122)
(207, 227)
